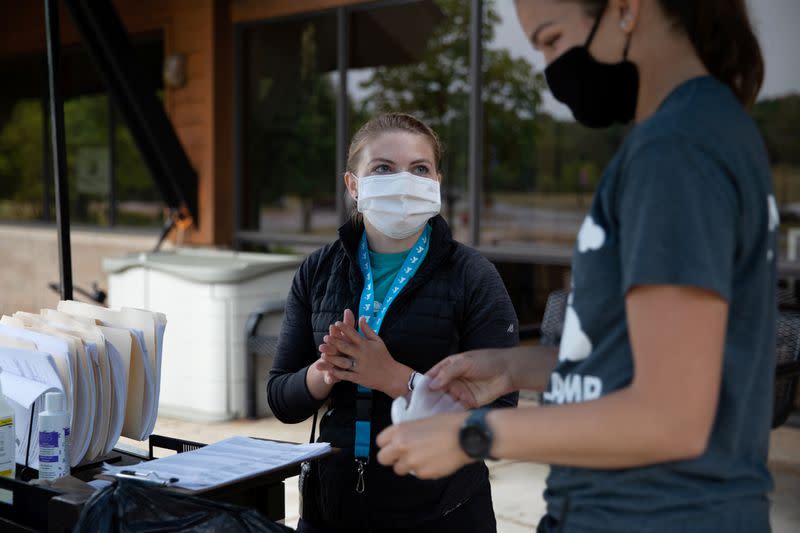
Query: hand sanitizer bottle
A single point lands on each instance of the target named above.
(8, 451)
(53, 431)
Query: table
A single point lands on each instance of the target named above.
(38, 509)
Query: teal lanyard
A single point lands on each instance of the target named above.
(375, 320)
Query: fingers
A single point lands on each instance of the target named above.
(459, 391)
(369, 333)
(344, 363)
(447, 370)
(385, 436)
(433, 373)
(348, 332)
(402, 467)
(328, 349)
(349, 318)
(342, 346)
(325, 368)
(342, 375)
(394, 452)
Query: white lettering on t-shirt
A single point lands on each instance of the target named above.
(573, 388)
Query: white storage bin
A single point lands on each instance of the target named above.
(207, 296)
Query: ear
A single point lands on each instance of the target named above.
(351, 182)
(627, 12)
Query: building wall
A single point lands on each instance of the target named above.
(30, 262)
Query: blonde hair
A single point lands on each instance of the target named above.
(391, 122)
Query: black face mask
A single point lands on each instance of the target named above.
(598, 94)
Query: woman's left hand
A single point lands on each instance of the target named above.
(427, 448)
(364, 360)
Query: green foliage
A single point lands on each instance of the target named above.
(86, 125)
(437, 90)
(779, 121)
(21, 154)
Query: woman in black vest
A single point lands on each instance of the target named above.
(429, 295)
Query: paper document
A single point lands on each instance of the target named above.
(26, 376)
(143, 375)
(225, 461)
(105, 361)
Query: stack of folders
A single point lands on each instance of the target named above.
(106, 362)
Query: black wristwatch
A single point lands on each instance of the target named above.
(476, 436)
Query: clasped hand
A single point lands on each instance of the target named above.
(365, 361)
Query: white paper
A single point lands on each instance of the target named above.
(73, 382)
(26, 376)
(142, 402)
(423, 402)
(119, 397)
(225, 461)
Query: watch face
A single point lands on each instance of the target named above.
(474, 441)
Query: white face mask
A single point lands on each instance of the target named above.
(398, 205)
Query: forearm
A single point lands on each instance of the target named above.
(315, 382)
(620, 430)
(289, 397)
(530, 366)
(397, 380)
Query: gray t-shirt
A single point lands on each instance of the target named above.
(687, 200)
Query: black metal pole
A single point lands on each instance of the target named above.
(58, 146)
(342, 112)
(112, 163)
(475, 171)
(241, 212)
(46, 165)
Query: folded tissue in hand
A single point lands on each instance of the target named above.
(423, 402)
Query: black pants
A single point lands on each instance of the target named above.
(476, 515)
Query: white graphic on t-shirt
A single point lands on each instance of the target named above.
(774, 221)
(573, 388)
(575, 344)
(774, 217)
(591, 236)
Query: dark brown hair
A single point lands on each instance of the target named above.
(391, 122)
(723, 37)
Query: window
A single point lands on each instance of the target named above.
(777, 111)
(98, 176)
(289, 122)
(540, 167)
(414, 58)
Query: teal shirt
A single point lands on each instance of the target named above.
(384, 269)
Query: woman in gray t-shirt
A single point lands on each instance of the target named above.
(659, 398)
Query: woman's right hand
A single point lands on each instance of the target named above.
(320, 378)
(474, 378)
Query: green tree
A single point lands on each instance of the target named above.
(437, 90)
(293, 142)
(21, 155)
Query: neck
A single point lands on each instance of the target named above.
(669, 64)
(380, 243)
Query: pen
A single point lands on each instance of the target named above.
(150, 478)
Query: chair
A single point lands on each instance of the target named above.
(787, 369)
(553, 320)
(261, 334)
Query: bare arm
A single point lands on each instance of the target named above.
(481, 376)
(667, 412)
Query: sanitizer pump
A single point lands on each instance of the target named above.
(8, 452)
(53, 432)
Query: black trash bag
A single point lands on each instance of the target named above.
(130, 507)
